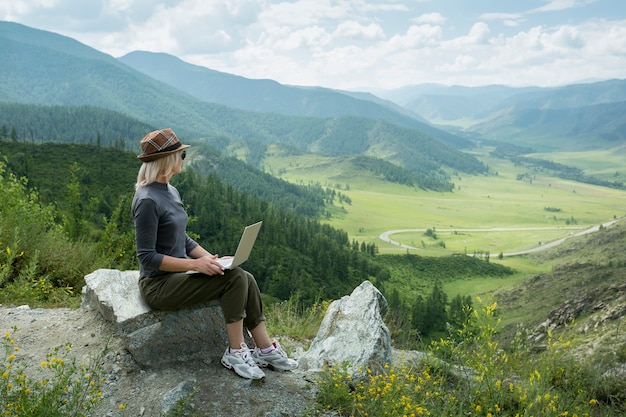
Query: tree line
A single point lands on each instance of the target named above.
(38, 124)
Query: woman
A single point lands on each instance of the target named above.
(166, 252)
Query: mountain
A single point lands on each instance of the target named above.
(269, 96)
(437, 102)
(571, 96)
(580, 128)
(573, 117)
(47, 69)
(257, 95)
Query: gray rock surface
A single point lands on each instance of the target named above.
(352, 331)
(155, 338)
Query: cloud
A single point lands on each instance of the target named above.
(393, 6)
(308, 37)
(351, 43)
(302, 13)
(430, 18)
(558, 5)
(354, 30)
(461, 63)
(508, 19)
(416, 37)
(568, 37)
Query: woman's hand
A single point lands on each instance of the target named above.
(208, 265)
(201, 261)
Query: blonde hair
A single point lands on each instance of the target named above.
(151, 171)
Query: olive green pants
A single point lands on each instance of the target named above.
(236, 290)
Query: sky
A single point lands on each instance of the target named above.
(365, 45)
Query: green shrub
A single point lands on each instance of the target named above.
(38, 262)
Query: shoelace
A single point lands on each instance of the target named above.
(245, 355)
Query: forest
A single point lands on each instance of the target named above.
(424, 157)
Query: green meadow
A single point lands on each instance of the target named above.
(495, 213)
(607, 164)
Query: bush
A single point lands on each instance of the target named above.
(38, 262)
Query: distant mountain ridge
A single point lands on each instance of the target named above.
(573, 117)
(159, 90)
(271, 97)
(585, 127)
(262, 95)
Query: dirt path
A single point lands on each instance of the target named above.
(385, 236)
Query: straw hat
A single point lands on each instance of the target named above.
(158, 144)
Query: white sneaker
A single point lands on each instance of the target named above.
(242, 363)
(276, 359)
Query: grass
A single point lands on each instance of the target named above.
(292, 319)
(607, 164)
(478, 202)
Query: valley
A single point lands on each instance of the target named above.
(529, 213)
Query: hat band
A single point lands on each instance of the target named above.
(169, 148)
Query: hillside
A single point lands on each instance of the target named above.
(70, 124)
(271, 97)
(587, 127)
(441, 103)
(257, 95)
(581, 293)
(48, 69)
(86, 191)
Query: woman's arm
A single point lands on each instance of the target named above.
(201, 261)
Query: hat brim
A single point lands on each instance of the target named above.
(159, 155)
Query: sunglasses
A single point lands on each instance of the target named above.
(183, 155)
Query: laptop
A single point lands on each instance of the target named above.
(243, 249)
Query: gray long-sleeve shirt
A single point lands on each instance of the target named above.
(160, 227)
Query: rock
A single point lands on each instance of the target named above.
(618, 372)
(352, 332)
(115, 295)
(407, 358)
(155, 338)
(183, 391)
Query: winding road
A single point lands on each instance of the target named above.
(385, 236)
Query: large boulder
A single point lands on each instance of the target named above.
(352, 332)
(155, 338)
